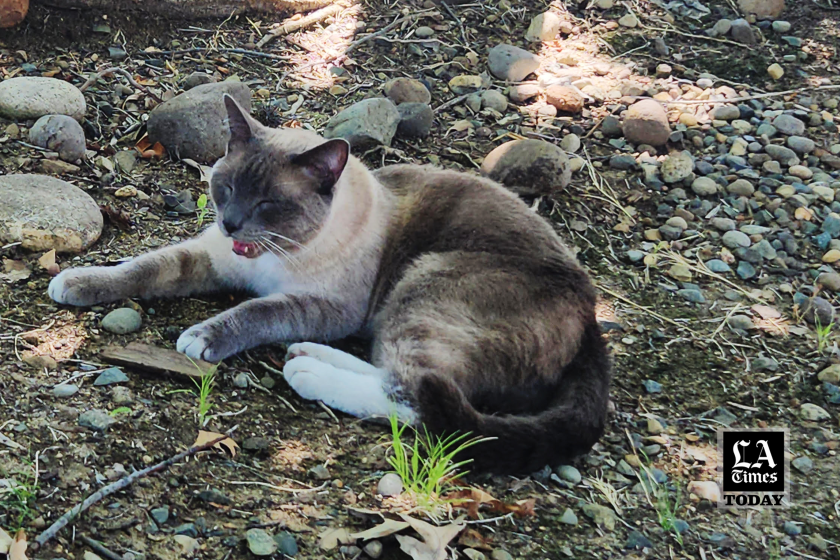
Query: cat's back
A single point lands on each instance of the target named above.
(439, 209)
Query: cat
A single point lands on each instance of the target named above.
(481, 319)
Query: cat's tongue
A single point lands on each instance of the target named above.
(248, 250)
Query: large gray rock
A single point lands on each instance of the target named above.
(544, 27)
(61, 134)
(528, 167)
(32, 97)
(192, 124)
(762, 9)
(646, 122)
(46, 213)
(416, 120)
(366, 123)
(790, 125)
(407, 90)
(510, 63)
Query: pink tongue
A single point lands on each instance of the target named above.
(248, 250)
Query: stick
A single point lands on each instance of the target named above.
(73, 513)
(245, 52)
(113, 69)
(747, 98)
(290, 26)
(100, 549)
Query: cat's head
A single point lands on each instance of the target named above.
(273, 196)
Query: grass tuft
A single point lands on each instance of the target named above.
(205, 388)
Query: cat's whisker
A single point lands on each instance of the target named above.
(284, 238)
(282, 252)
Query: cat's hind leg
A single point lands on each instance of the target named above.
(350, 392)
(334, 357)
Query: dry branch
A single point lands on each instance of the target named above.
(174, 9)
(291, 26)
(74, 512)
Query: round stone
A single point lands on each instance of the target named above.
(122, 321)
(416, 120)
(528, 167)
(65, 390)
(646, 122)
(734, 239)
(390, 485)
(407, 90)
(678, 166)
(260, 543)
(564, 98)
(569, 474)
(496, 100)
(59, 133)
(704, 186)
(788, 124)
(32, 97)
(510, 63)
(44, 213)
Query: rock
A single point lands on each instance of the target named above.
(652, 387)
(160, 514)
(255, 444)
(570, 143)
(544, 27)
(792, 529)
(528, 167)
(647, 123)
(762, 9)
(474, 554)
(465, 84)
(59, 133)
(65, 390)
(784, 156)
(197, 79)
(192, 124)
(286, 544)
(188, 544)
(745, 270)
(241, 380)
(96, 420)
(603, 517)
(705, 490)
(389, 485)
(122, 321)
(802, 172)
(524, 92)
(623, 162)
(32, 97)
(366, 123)
(734, 239)
(45, 213)
(628, 20)
(416, 120)
(111, 376)
(57, 167)
(775, 71)
(121, 395)
(611, 127)
(741, 187)
(564, 98)
(717, 265)
(814, 413)
(704, 186)
(636, 540)
(424, 32)
(725, 113)
(677, 167)
(788, 124)
(39, 362)
(816, 310)
(373, 549)
(803, 464)
(831, 374)
(510, 63)
(320, 472)
(801, 145)
(763, 363)
(492, 99)
(742, 32)
(12, 12)
(569, 474)
(126, 160)
(568, 517)
(260, 543)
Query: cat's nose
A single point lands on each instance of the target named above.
(230, 226)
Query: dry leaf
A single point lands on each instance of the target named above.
(289, 521)
(434, 542)
(6, 541)
(204, 171)
(473, 539)
(117, 217)
(332, 537)
(14, 271)
(17, 551)
(766, 312)
(388, 527)
(206, 437)
(47, 260)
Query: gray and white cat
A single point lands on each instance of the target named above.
(482, 320)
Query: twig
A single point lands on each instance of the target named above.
(451, 102)
(246, 52)
(74, 512)
(646, 310)
(459, 22)
(100, 549)
(112, 70)
(290, 26)
(746, 98)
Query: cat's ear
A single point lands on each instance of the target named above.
(239, 123)
(325, 163)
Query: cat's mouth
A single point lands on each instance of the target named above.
(246, 249)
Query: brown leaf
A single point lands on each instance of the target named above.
(118, 217)
(289, 521)
(47, 260)
(473, 539)
(435, 539)
(206, 437)
(766, 312)
(14, 271)
(17, 551)
(332, 537)
(388, 527)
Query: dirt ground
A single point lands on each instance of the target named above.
(653, 336)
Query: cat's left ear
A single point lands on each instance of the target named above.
(239, 123)
(325, 163)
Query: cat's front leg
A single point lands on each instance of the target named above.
(195, 266)
(276, 318)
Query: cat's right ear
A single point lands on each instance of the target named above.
(238, 123)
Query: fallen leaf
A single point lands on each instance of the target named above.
(766, 312)
(435, 539)
(204, 171)
(206, 437)
(290, 521)
(473, 539)
(17, 551)
(332, 537)
(14, 271)
(117, 217)
(47, 261)
(388, 527)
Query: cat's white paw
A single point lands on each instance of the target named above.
(310, 378)
(80, 287)
(332, 356)
(203, 342)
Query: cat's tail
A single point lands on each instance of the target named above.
(569, 427)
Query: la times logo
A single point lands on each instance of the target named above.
(755, 468)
